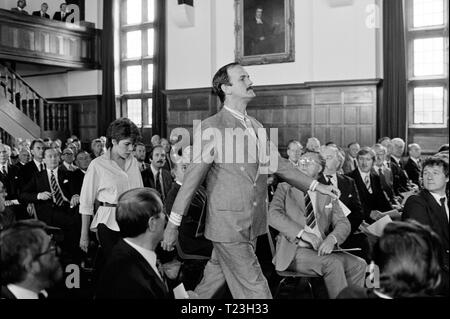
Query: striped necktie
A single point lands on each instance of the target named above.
(367, 182)
(310, 218)
(57, 193)
(158, 184)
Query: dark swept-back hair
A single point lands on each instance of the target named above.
(15, 243)
(122, 129)
(366, 150)
(134, 209)
(221, 77)
(436, 161)
(409, 256)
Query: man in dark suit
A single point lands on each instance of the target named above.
(413, 166)
(52, 192)
(21, 4)
(167, 148)
(82, 161)
(381, 167)
(62, 14)
(349, 197)
(43, 12)
(24, 157)
(401, 181)
(29, 261)
(369, 186)
(156, 176)
(430, 205)
(140, 154)
(36, 165)
(131, 271)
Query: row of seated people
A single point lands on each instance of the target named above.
(61, 15)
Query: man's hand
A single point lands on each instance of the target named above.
(31, 210)
(330, 190)
(327, 246)
(311, 239)
(376, 215)
(74, 201)
(170, 237)
(44, 196)
(192, 295)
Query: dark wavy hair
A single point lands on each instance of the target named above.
(122, 129)
(409, 256)
(221, 77)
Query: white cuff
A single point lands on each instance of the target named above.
(300, 233)
(313, 185)
(175, 218)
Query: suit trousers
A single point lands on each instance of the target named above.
(338, 270)
(237, 265)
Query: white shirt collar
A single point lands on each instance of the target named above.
(333, 178)
(148, 255)
(415, 160)
(438, 197)
(38, 164)
(397, 160)
(4, 166)
(363, 175)
(295, 164)
(22, 293)
(240, 116)
(179, 183)
(258, 21)
(55, 172)
(154, 170)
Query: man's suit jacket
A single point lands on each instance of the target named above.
(191, 233)
(38, 14)
(414, 171)
(350, 198)
(400, 178)
(127, 275)
(5, 293)
(149, 180)
(16, 10)
(78, 177)
(11, 181)
(287, 215)
(57, 16)
(375, 201)
(423, 208)
(349, 164)
(236, 191)
(387, 183)
(28, 172)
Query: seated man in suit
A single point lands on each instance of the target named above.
(24, 157)
(430, 205)
(62, 14)
(350, 163)
(68, 157)
(139, 153)
(413, 166)
(294, 151)
(21, 4)
(349, 197)
(310, 226)
(43, 12)
(156, 176)
(82, 161)
(401, 179)
(381, 167)
(373, 199)
(52, 191)
(131, 271)
(29, 261)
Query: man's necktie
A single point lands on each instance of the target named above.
(330, 179)
(143, 167)
(3, 170)
(367, 182)
(355, 164)
(42, 296)
(42, 167)
(158, 184)
(56, 192)
(310, 218)
(443, 204)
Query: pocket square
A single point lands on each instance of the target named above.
(65, 181)
(350, 195)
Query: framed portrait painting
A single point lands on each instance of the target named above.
(264, 31)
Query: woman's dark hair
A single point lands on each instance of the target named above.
(122, 129)
(221, 77)
(409, 256)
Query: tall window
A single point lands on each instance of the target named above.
(428, 62)
(136, 61)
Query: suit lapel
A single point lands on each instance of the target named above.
(437, 214)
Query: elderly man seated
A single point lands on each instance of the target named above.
(311, 225)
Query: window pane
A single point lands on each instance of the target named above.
(429, 105)
(429, 56)
(150, 111)
(134, 9)
(428, 13)
(150, 43)
(151, 10)
(134, 78)
(135, 111)
(150, 76)
(134, 48)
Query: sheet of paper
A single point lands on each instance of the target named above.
(345, 209)
(179, 292)
(377, 227)
(345, 249)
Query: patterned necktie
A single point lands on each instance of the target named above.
(57, 193)
(443, 204)
(330, 180)
(367, 182)
(355, 164)
(158, 184)
(310, 218)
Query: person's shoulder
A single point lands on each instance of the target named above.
(354, 292)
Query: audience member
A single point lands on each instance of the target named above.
(131, 271)
(21, 4)
(82, 161)
(294, 151)
(156, 177)
(140, 153)
(413, 166)
(311, 225)
(29, 261)
(68, 157)
(155, 140)
(24, 157)
(407, 256)
(168, 165)
(350, 163)
(96, 148)
(62, 14)
(382, 169)
(313, 144)
(107, 177)
(400, 177)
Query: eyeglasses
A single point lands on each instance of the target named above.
(52, 247)
(68, 154)
(307, 161)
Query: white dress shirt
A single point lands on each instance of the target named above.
(49, 175)
(438, 197)
(38, 165)
(106, 181)
(70, 167)
(148, 255)
(22, 293)
(363, 176)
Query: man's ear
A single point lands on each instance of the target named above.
(152, 224)
(114, 142)
(31, 266)
(225, 88)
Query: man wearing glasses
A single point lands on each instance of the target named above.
(311, 226)
(29, 261)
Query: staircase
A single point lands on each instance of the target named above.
(26, 114)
